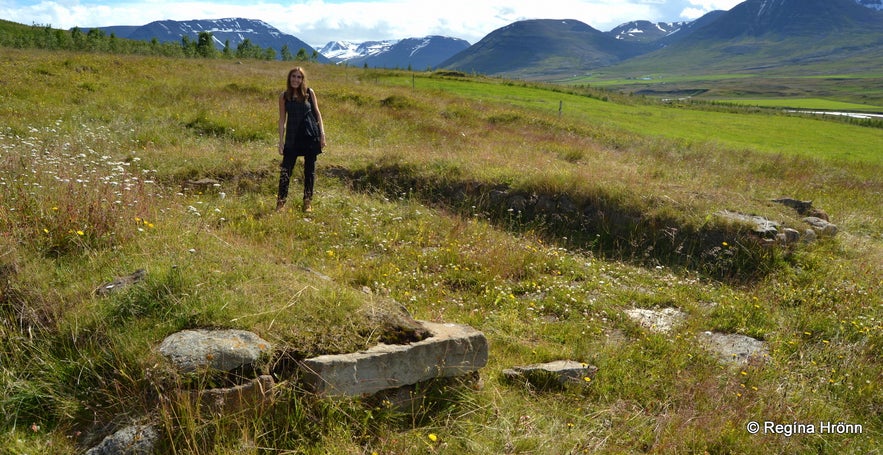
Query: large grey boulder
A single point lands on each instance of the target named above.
(451, 350)
(222, 350)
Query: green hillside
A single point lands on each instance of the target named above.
(98, 154)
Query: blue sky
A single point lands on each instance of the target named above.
(320, 21)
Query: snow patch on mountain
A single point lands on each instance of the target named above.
(645, 30)
(341, 51)
(422, 44)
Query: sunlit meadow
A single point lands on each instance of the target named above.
(99, 187)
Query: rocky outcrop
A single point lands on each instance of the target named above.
(772, 231)
(760, 226)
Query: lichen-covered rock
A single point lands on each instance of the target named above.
(222, 350)
(132, 440)
(734, 348)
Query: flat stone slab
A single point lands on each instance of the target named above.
(759, 225)
(734, 349)
(554, 374)
(223, 350)
(452, 350)
(662, 321)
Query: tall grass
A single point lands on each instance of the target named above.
(102, 164)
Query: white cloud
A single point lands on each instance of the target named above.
(699, 8)
(320, 21)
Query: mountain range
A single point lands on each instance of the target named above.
(414, 53)
(232, 31)
(753, 34)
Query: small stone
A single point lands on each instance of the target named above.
(821, 226)
(552, 375)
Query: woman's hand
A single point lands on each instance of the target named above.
(281, 149)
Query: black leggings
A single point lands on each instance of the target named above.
(285, 175)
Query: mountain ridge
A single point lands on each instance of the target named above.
(415, 53)
(756, 34)
(226, 30)
(544, 48)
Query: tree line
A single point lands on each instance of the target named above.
(96, 40)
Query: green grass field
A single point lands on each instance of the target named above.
(787, 135)
(95, 151)
(807, 103)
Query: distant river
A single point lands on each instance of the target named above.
(861, 115)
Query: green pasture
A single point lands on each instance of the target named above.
(767, 132)
(804, 103)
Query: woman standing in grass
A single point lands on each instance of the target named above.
(296, 105)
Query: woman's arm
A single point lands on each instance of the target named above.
(281, 123)
(318, 117)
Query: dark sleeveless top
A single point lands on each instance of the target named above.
(296, 142)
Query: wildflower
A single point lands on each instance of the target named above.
(433, 437)
(81, 233)
(725, 244)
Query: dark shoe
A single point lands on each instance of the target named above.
(280, 203)
(308, 206)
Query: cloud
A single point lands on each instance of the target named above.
(699, 8)
(320, 21)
